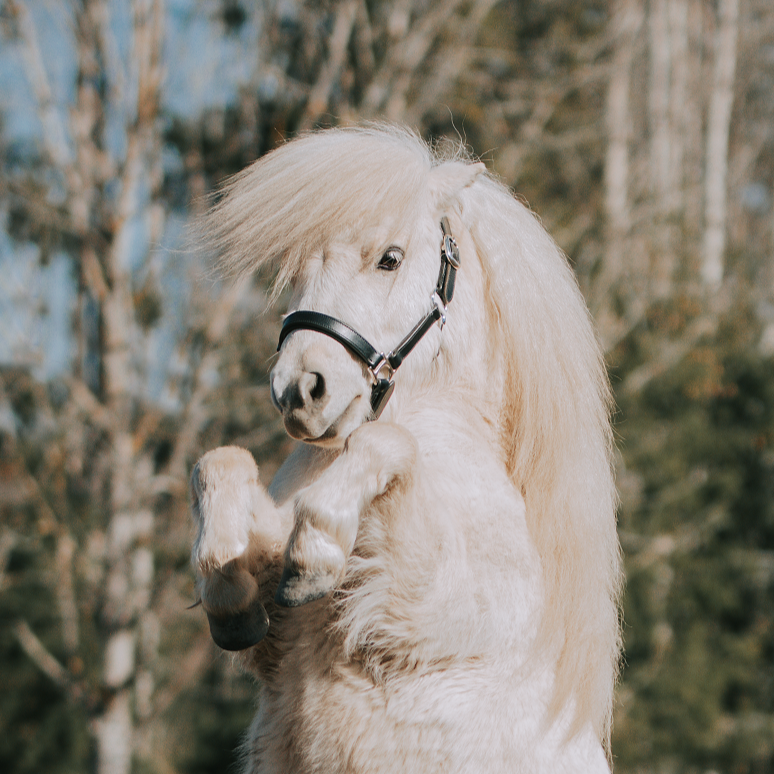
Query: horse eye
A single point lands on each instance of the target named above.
(392, 258)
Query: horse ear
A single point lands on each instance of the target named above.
(449, 178)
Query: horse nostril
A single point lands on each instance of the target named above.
(319, 387)
(311, 387)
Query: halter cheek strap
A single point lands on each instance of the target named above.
(376, 361)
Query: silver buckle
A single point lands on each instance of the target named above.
(451, 251)
(383, 363)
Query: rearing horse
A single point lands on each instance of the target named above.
(431, 582)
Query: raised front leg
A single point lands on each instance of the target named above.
(376, 457)
(239, 545)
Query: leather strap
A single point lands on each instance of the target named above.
(397, 356)
(450, 262)
(330, 326)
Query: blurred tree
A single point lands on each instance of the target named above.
(94, 458)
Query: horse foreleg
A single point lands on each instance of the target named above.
(376, 457)
(239, 546)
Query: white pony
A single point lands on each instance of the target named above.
(435, 590)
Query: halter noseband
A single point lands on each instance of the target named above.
(361, 348)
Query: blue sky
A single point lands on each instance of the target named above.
(205, 68)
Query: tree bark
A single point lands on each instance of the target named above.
(718, 129)
(628, 22)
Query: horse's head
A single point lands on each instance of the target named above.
(361, 281)
(369, 285)
(352, 219)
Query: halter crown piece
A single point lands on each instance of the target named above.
(383, 366)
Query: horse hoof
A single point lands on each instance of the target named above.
(241, 630)
(296, 589)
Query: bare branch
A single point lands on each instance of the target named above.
(337, 53)
(54, 130)
(65, 591)
(88, 405)
(660, 76)
(629, 18)
(41, 657)
(192, 664)
(195, 414)
(387, 91)
(48, 522)
(452, 61)
(671, 353)
(364, 41)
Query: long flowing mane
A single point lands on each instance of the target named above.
(557, 439)
(555, 408)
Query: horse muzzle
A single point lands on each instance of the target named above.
(320, 390)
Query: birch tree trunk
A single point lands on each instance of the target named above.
(129, 563)
(660, 76)
(668, 49)
(718, 128)
(678, 32)
(694, 111)
(628, 21)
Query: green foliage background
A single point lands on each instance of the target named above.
(698, 685)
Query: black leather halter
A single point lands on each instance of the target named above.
(376, 361)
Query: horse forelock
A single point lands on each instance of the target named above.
(313, 190)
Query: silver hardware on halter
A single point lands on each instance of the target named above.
(439, 305)
(451, 251)
(383, 363)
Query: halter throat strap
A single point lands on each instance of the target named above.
(379, 362)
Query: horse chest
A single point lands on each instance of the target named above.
(458, 720)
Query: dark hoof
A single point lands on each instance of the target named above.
(241, 630)
(296, 589)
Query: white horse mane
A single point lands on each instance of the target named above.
(550, 392)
